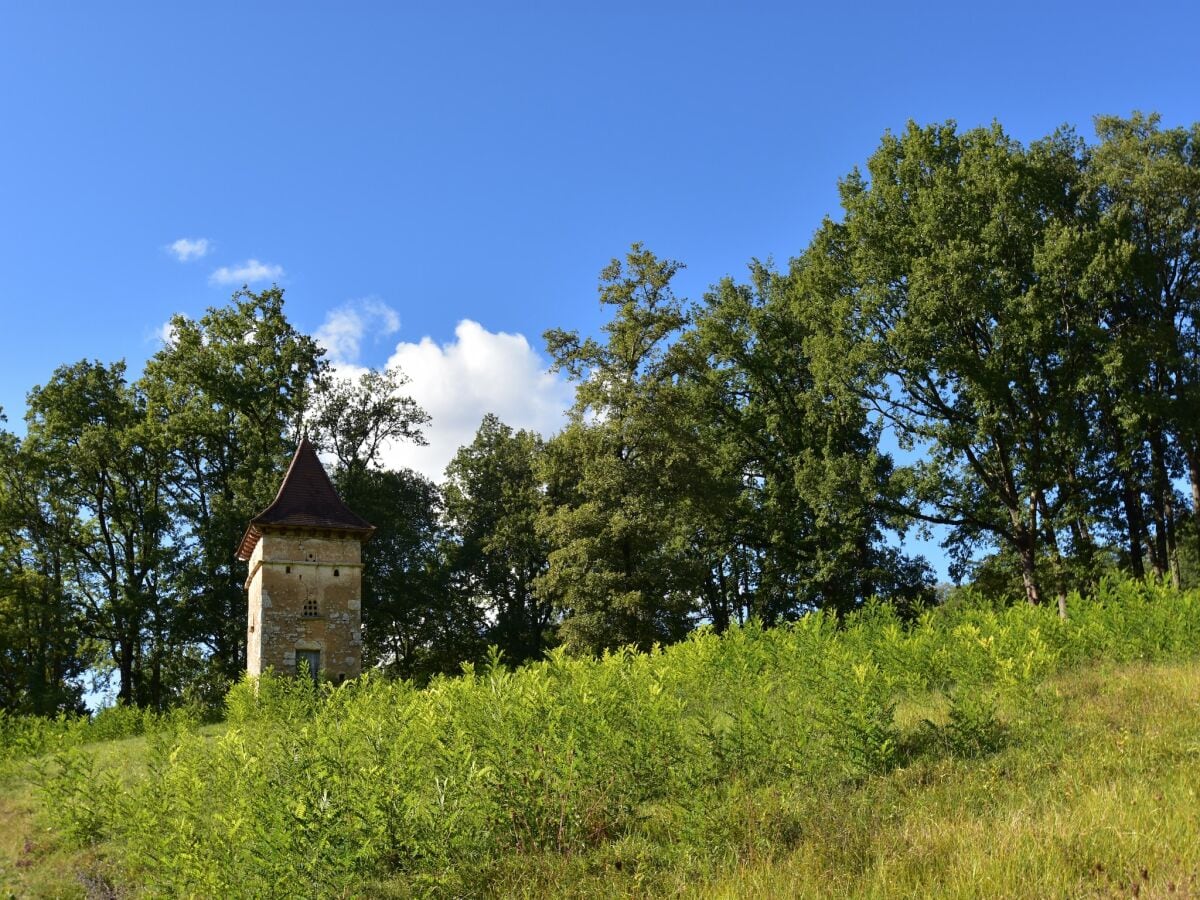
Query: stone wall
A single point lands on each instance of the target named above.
(305, 593)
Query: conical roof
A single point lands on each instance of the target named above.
(306, 499)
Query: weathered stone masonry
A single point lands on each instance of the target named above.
(304, 584)
(289, 572)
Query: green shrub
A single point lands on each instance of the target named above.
(658, 753)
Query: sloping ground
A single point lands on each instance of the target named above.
(1100, 801)
(1097, 800)
(1105, 804)
(35, 862)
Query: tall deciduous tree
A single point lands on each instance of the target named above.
(414, 625)
(619, 567)
(961, 345)
(99, 454)
(229, 391)
(1144, 276)
(355, 419)
(494, 497)
(43, 650)
(800, 495)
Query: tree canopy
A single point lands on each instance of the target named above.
(997, 340)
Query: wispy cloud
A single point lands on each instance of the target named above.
(342, 332)
(247, 273)
(186, 249)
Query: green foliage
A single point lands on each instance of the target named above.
(441, 787)
(227, 394)
(355, 419)
(494, 498)
(974, 728)
(785, 496)
(25, 737)
(414, 623)
(78, 798)
(619, 568)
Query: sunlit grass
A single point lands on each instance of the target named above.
(1102, 803)
(1099, 800)
(34, 861)
(977, 752)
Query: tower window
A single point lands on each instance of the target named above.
(336, 573)
(310, 608)
(287, 570)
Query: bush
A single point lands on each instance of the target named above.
(335, 787)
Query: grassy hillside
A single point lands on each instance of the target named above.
(980, 753)
(1104, 803)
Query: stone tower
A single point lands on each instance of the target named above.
(305, 581)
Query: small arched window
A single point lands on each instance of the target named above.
(336, 573)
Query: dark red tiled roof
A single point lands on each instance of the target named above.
(306, 499)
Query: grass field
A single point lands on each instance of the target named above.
(1098, 799)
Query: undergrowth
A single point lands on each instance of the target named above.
(689, 759)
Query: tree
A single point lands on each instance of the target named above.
(98, 455)
(43, 652)
(1143, 274)
(354, 420)
(414, 624)
(619, 567)
(945, 324)
(792, 475)
(229, 392)
(494, 498)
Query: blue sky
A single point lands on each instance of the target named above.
(437, 184)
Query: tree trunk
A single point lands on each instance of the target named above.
(1135, 525)
(1193, 464)
(1172, 543)
(1159, 503)
(1028, 554)
(125, 667)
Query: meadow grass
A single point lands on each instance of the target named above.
(1099, 801)
(36, 861)
(977, 752)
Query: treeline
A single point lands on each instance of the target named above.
(1019, 321)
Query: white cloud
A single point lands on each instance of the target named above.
(343, 330)
(186, 249)
(166, 332)
(480, 371)
(247, 273)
